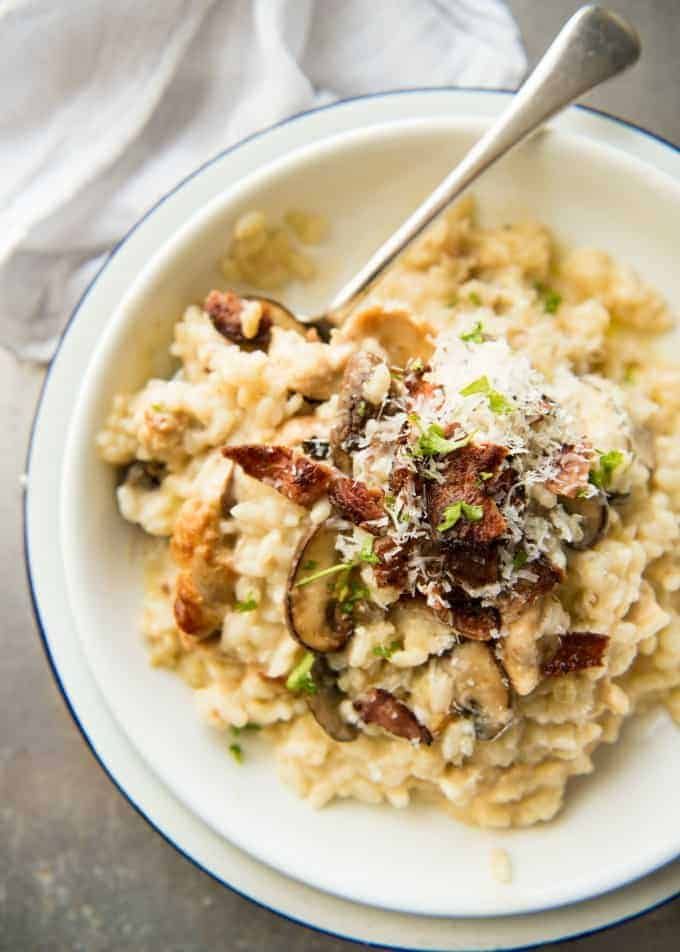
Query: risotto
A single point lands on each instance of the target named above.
(432, 552)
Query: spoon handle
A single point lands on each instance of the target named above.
(594, 45)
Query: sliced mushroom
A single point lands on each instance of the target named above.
(145, 474)
(353, 408)
(312, 614)
(282, 317)
(402, 336)
(382, 708)
(480, 690)
(519, 650)
(325, 703)
(594, 513)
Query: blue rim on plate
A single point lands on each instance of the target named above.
(27, 562)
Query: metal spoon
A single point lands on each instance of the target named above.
(594, 45)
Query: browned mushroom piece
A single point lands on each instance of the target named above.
(325, 703)
(382, 708)
(576, 652)
(480, 688)
(594, 513)
(353, 408)
(312, 612)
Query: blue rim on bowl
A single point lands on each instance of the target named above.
(34, 598)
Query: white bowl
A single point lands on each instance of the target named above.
(619, 824)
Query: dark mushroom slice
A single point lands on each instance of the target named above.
(382, 708)
(325, 703)
(282, 317)
(145, 474)
(312, 612)
(353, 408)
(480, 688)
(594, 513)
(296, 477)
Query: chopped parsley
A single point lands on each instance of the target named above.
(386, 651)
(351, 593)
(157, 407)
(432, 441)
(551, 299)
(250, 726)
(249, 605)
(475, 299)
(340, 567)
(236, 752)
(310, 565)
(476, 335)
(601, 475)
(497, 402)
(361, 408)
(300, 680)
(454, 512)
(368, 555)
(520, 559)
(630, 373)
(415, 366)
(389, 500)
(484, 475)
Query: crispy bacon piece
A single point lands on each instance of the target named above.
(356, 501)
(573, 467)
(474, 565)
(224, 309)
(463, 483)
(525, 592)
(576, 651)
(303, 481)
(392, 568)
(296, 477)
(382, 708)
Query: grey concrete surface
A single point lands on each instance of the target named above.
(79, 869)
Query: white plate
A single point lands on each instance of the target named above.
(124, 667)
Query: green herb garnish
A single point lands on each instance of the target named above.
(432, 441)
(386, 651)
(157, 407)
(454, 512)
(601, 475)
(236, 753)
(310, 565)
(484, 476)
(249, 605)
(497, 402)
(520, 559)
(249, 727)
(368, 555)
(476, 335)
(415, 366)
(475, 299)
(551, 299)
(361, 408)
(340, 567)
(630, 373)
(300, 680)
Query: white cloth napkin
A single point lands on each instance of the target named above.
(107, 105)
